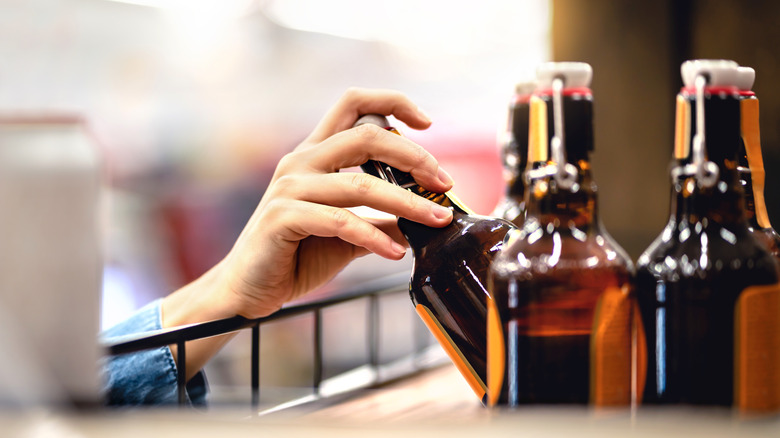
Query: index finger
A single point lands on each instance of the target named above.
(370, 142)
(356, 102)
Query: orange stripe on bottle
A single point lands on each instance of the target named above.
(640, 356)
(455, 200)
(496, 354)
(466, 370)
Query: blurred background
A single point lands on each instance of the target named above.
(192, 103)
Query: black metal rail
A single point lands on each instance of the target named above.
(180, 335)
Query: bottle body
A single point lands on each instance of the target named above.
(566, 328)
(448, 286)
(449, 277)
(688, 295)
(707, 289)
(561, 307)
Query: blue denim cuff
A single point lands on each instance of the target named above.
(146, 377)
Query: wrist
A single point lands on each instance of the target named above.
(198, 301)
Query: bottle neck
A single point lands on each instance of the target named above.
(549, 199)
(577, 206)
(699, 194)
(406, 181)
(447, 199)
(746, 183)
(722, 203)
(419, 235)
(416, 234)
(515, 149)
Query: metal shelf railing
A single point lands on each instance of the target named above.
(394, 284)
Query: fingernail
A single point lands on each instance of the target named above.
(424, 115)
(445, 177)
(441, 212)
(398, 248)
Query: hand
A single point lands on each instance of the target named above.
(301, 233)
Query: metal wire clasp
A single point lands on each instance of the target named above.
(564, 173)
(706, 172)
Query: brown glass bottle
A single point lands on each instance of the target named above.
(514, 155)
(707, 289)
(751, 165)
(561, 305)
(449, 276)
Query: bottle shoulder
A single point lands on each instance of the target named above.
(467, 227)
(732, 240)
(706, 249)
(467, 237)
(769, 238)
(534, 248)
(462, 224)
(510, 208)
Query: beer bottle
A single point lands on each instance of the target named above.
(561, 302)
(514, 155)
(707, 289)
(751, 165)
(448, 283)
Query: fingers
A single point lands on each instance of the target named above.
(358, 189)
(334, 146)
(369, 142)
(305, 219)
(308, 197)
(356, 102)
(388, 226)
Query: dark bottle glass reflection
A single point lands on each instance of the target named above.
(514, 155)
(561, 308)
(450, 271)
(707, 289)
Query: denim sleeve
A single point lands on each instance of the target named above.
(147, 377)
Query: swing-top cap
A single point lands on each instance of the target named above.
(746, 76)
(719, 72)
(574, 74)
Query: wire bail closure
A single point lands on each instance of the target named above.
(706, 172)
(564, 173)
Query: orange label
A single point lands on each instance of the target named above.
(682, 128)
(751, 135)
(757, 349)
(496, 354)
(537, 131)
(452, 350)
(455, 200)
(611, 349)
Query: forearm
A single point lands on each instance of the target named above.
(200, 301)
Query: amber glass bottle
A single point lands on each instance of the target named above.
(751, 165)
(514, 155)
(707, 289)
(561, 305)
(450, 271)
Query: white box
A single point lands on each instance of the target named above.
(50, 261)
